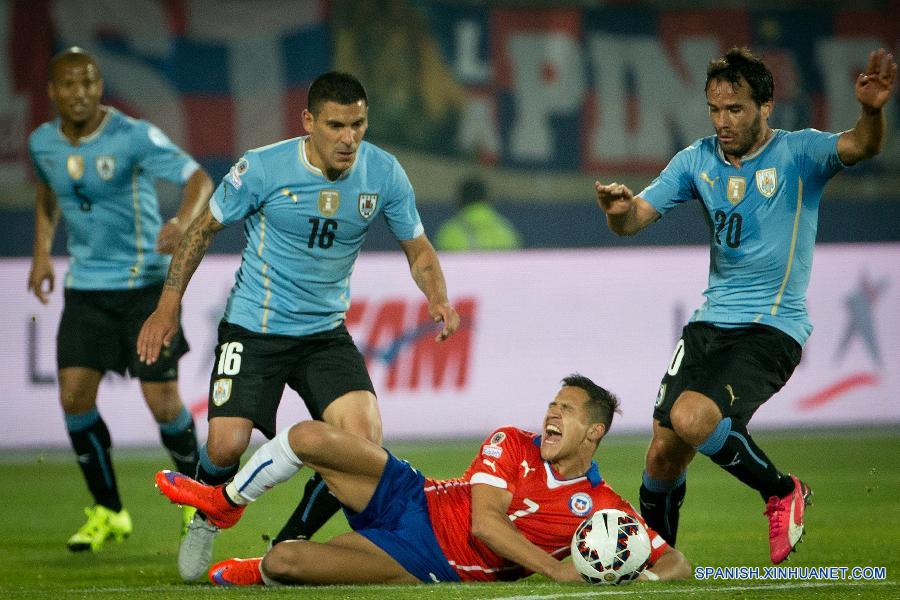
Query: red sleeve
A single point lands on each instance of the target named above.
(498, 459)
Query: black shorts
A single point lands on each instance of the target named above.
(738, 368)
(99, 330)
(251, 370)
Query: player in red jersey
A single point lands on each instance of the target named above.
(512, 513)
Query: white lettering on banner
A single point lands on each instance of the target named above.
(669, 103)
(478, 130)
(80, 23)
(517, 341)
(548, 80)
(468, 66)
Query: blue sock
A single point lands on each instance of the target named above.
(210, 473)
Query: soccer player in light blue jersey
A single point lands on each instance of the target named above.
(306, 204)
(96, 167)
(760, 188)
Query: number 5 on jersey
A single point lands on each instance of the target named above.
(230, 358)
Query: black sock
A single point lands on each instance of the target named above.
(91, 442)
(180, 440)
(316, 507)
(740, 456)
(661, 505)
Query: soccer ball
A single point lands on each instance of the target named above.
(610, 547)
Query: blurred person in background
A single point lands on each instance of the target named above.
(307, 204)
(477, 225)
(761, 189)
(96, 167)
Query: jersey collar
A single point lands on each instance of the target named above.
(301, 147)
(91, 136)
(750, 156)
(592, 474)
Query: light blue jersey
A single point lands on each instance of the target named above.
(104, 186)
(763, 217)
(304, 232)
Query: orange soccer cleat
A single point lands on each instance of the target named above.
(236, 571)
(210, 500)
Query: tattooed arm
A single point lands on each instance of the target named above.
(161, 326)
(426, 272)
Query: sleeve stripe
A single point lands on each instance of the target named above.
(189, 168)
(216, 210)
(489, 480)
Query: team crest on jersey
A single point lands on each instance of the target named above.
(329, 202)
(736, 188)
(580, 504)
(661, 395)
(767, 182)
(497, 438)
(367, 204)
(75, 166)
(236, 171)
(221, 391)
(106, 167)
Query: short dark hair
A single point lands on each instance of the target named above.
(334, 86)
(740, 63)
(68, 55)
(601, 405)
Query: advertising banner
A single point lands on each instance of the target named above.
(528, 319)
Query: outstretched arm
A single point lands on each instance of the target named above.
(873, 90)
(426, 272)
(46, 216)
(162, 325)
(491, 525)
(194, 197)
(626, 214)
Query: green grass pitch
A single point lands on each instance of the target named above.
(855, 521)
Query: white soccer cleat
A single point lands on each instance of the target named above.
(196, 550)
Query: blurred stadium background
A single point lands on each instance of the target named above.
(538, 99)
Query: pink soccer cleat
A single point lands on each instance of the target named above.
(786, 520)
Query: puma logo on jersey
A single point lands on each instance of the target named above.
(290, 194)
(527, 468)
(490, 464)
(711, 182)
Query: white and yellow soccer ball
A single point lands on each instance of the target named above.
(610, 547)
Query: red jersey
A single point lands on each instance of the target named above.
(544, 508)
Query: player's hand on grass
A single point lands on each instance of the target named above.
(614, 199)
(41, 279)
(157, 331)
(567, 573)
(443, 312)
(170, 236)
